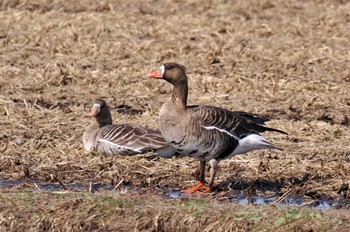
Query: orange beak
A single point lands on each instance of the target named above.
(156, 75)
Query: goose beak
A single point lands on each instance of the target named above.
(156, 75)
(94, 111)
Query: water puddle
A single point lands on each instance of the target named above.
(234, 196)
(239, 197)
(52, 187)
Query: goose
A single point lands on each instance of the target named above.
(123, 139)
(206, 133)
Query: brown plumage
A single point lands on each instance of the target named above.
(205, 132)
(122, 139)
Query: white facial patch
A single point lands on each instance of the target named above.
(162, 69)
(97, 107)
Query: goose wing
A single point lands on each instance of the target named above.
(237, 124)
(129, 139)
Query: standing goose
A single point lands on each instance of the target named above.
(123, 139)
(205, 132)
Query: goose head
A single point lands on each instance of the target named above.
(171, 72)
(100, 111)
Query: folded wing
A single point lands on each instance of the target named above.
(128, 139)
(237, 124)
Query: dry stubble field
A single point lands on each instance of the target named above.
(288, 60)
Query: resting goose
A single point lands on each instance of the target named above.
(122, 139)
(205, 132)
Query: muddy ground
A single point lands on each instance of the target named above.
(288, 60)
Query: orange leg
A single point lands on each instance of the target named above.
(201, 184)
(195, 188)
(208, 189)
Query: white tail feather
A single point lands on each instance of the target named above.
(253, 142)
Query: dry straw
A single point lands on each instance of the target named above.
(288, 60)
